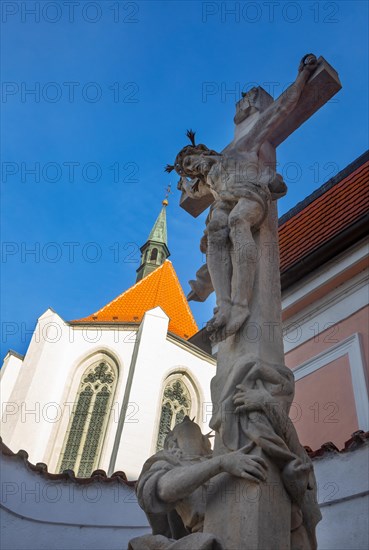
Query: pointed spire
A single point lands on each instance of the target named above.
(155, 251)
(159, 231)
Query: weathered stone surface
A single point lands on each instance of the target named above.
(267, 500)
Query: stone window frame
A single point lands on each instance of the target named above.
(192, 410)
(93, 363)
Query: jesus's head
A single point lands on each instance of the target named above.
(193, 161)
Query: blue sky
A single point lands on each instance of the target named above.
(116, 85)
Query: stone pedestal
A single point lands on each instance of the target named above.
(243, 514)
(248, 516)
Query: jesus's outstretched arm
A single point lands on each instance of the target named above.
(277, 111)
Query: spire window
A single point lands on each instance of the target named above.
(154, 255)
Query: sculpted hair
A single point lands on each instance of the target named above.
(192, 149)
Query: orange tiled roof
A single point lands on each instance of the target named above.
(160, 288)
(325, 217)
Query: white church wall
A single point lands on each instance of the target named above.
(101, 513)
(343, 495)
(39, 513)
(42, 400)
(8, 377)
(39, 407)
(158, 357)
(38, 387)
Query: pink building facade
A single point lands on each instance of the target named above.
(324, 274)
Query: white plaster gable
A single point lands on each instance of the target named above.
(49, 312)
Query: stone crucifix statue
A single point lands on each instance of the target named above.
(243, 183)
(270, 503)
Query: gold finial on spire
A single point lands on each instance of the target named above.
(167, 193)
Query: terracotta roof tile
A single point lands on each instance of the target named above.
(322, 219)
(68, 475)
(159, 288)
(358, 439)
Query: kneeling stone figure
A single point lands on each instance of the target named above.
(172, 488)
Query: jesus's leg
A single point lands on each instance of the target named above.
(246, 215)
(219, 264)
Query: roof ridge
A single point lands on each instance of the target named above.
(127, 290)
(184, 298)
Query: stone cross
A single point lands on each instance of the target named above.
(240, 513)
(323, 84)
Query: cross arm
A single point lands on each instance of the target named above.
(269, 119)
(323, 84)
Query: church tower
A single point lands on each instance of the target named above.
(155, 250)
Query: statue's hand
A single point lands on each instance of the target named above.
(309, 62)
(249, 399)
(249, 467)
(193, 296)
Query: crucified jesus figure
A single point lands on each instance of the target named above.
(243, 187)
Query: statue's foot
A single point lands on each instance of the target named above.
(218, 335)
(296, 478)
(226, 325)
(239, 314)
(219, 321)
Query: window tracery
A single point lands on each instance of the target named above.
(176, 404)
(86, 427)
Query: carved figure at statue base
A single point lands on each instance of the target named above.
(172, 487)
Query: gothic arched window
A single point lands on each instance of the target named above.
(176, 404)
(88, 420)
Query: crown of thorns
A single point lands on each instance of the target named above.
(192, 149)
